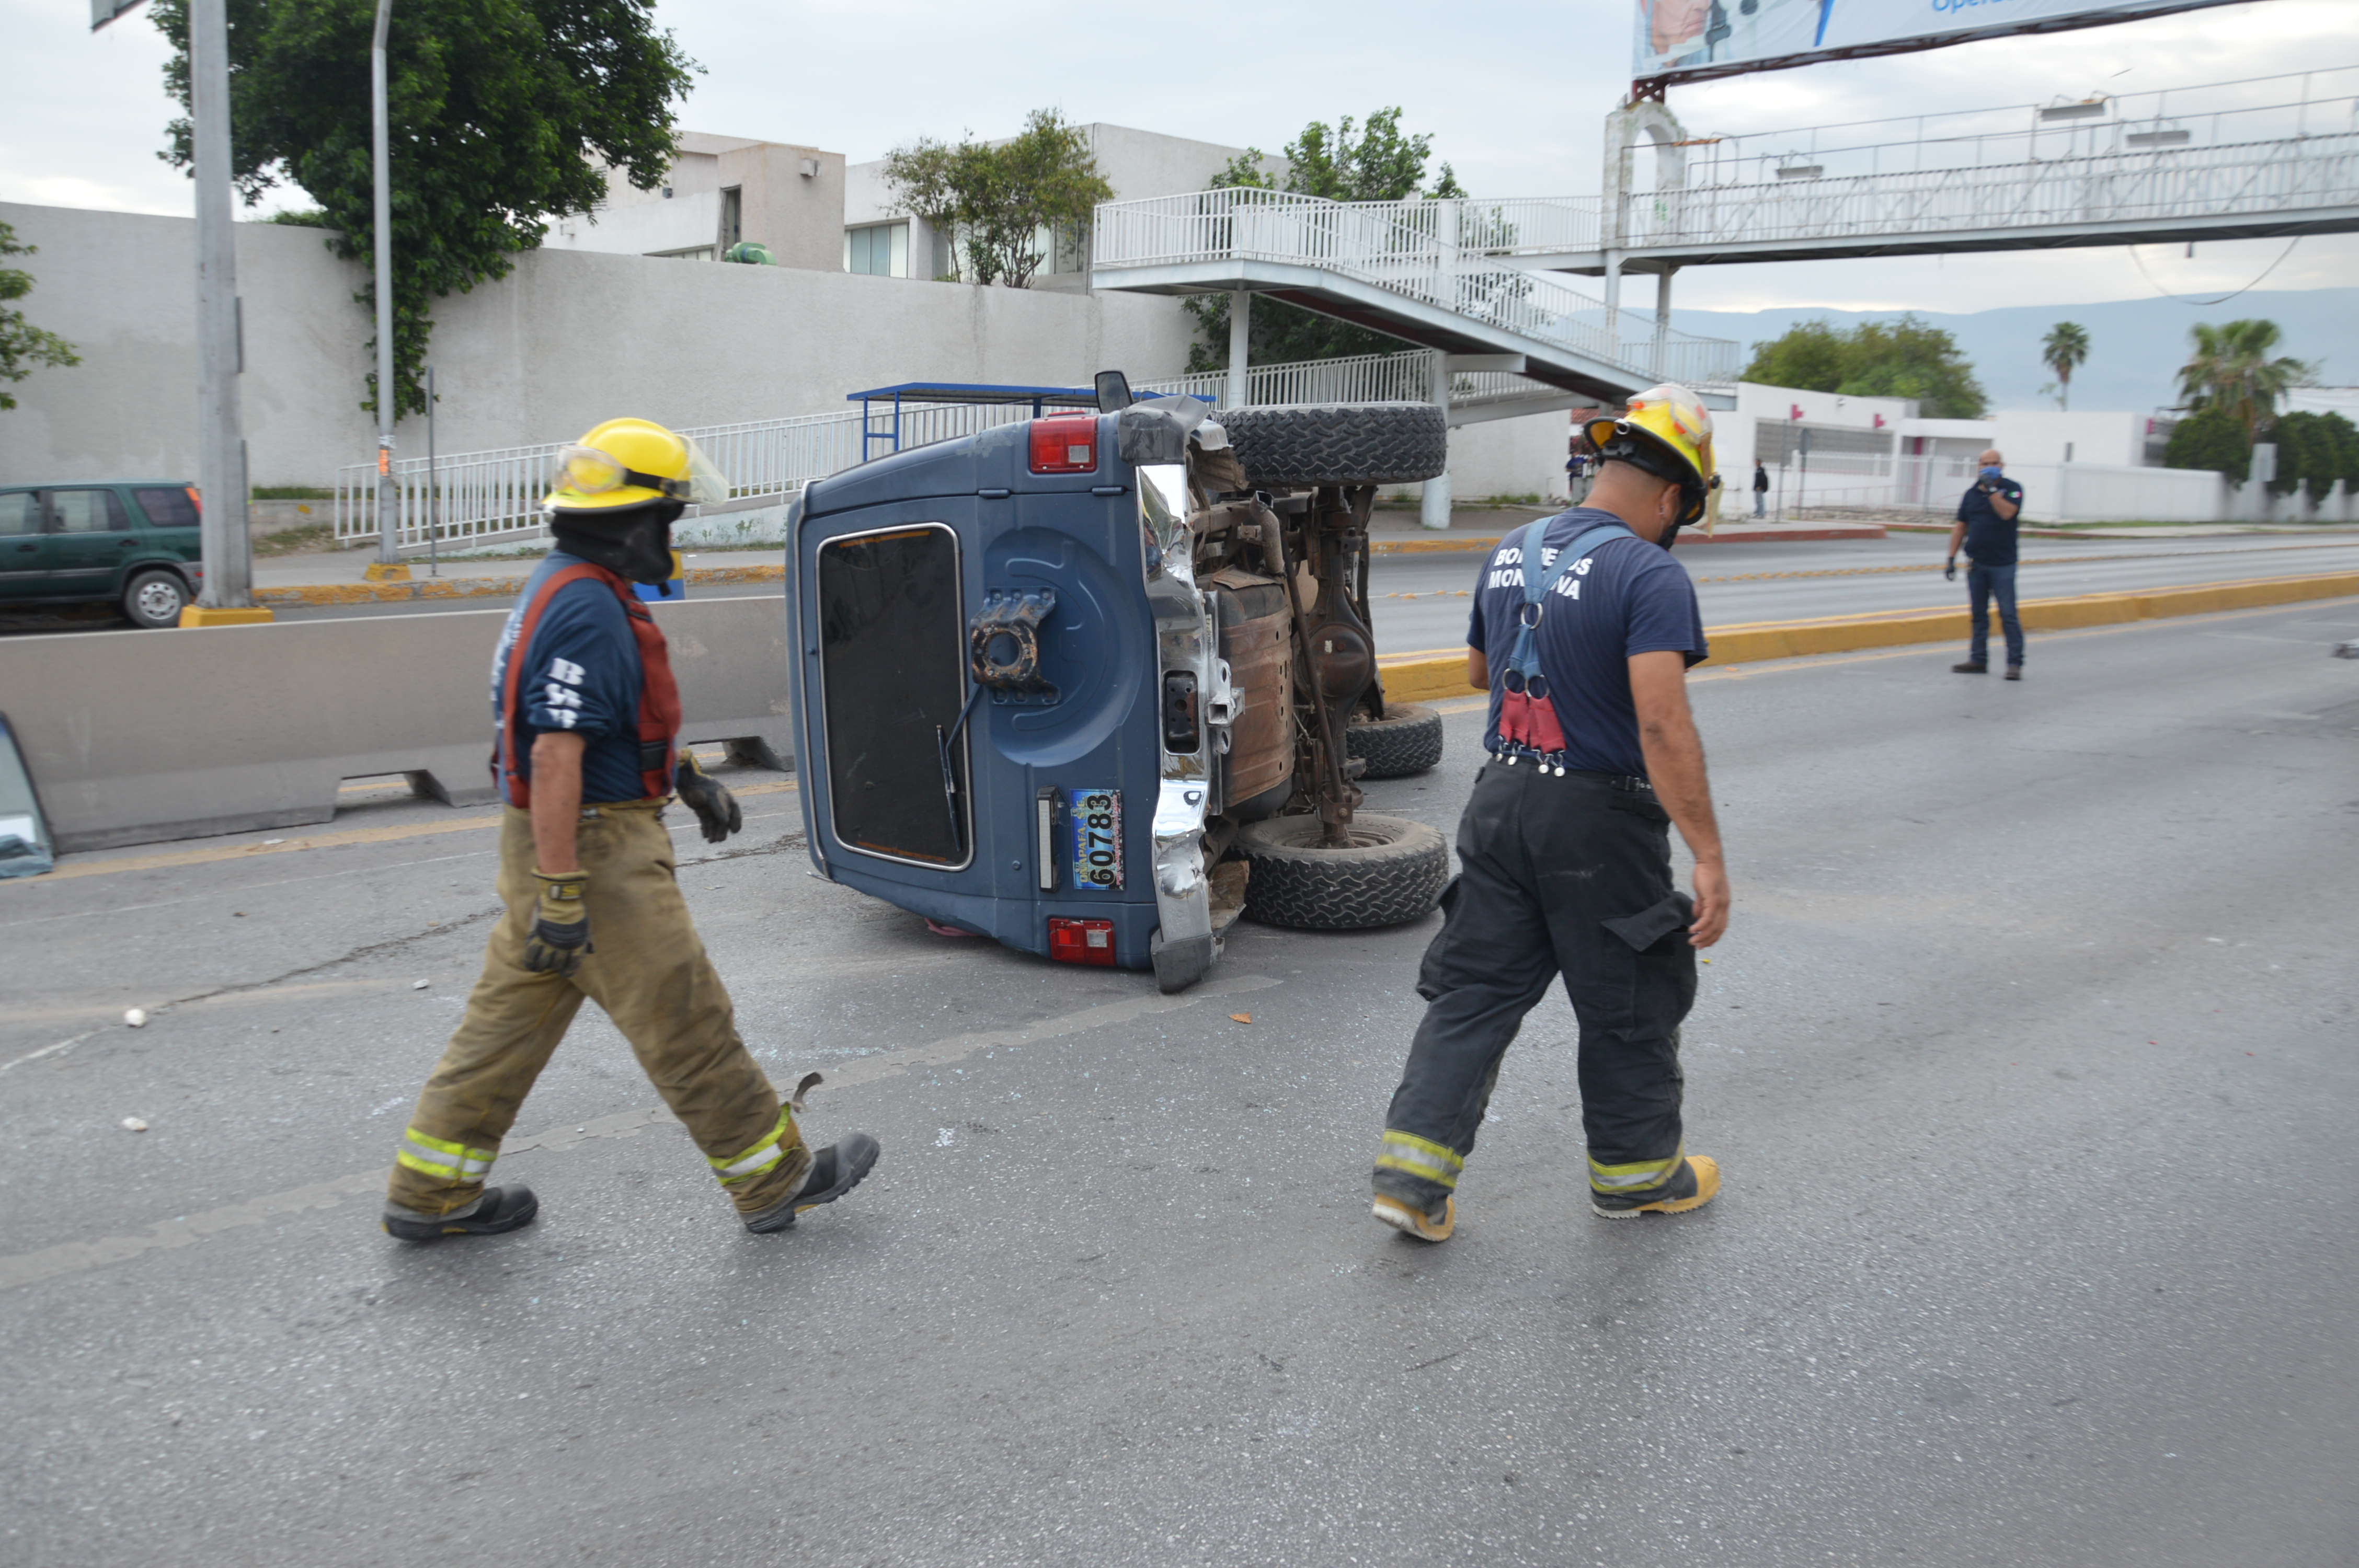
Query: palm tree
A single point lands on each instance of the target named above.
(2065, 348)
(2230, 370)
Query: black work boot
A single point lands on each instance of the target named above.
(835, 1171)
(499, 1209)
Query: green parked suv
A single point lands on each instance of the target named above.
(132, 542)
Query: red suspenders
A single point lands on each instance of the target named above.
(659, 693)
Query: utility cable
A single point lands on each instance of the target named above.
(2224, 299)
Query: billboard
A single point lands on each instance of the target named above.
(1691, 40)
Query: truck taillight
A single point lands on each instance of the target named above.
(1074, 941)
(1065, 443)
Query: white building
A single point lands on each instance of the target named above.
(878, 238)
(1825, 449)
(720, 191)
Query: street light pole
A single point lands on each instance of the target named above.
(226, 595)
(220, 444)
(387, 555)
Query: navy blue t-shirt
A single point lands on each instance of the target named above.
(1628, 597)
(581, 674)
(1990, 539)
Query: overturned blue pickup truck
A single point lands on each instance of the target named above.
(1098, 683)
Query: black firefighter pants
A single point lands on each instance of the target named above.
(1570, 876)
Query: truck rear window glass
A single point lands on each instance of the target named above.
(892, 643)
(168, 508)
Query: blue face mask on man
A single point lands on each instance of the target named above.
(1992, 474)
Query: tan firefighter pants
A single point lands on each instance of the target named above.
(648, 971)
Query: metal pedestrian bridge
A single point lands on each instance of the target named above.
(2263, 157)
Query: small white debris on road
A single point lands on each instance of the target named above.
(136, 1018)
(133, 1124)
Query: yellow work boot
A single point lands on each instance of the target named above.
(1697, 1184)
(1410, 1221)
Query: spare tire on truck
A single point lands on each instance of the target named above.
(1407, 740)
(1393, 871)
(1295, 445)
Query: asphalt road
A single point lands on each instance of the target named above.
(1421, 601)
(2028, 1057)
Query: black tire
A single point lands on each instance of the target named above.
(1394, 872)
(1339, 443)
(1406, 740)
(154, 599)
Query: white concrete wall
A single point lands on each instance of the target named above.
(567, 340)
(1505, 457)
(121, 289)
(643, 227)
(2044, 435)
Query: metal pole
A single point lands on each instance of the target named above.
(1662, 317)
(1433, 504)
(383, 217)
(433, 488)
(1240, 333)
(220, 459)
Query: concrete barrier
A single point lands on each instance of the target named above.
(133, 737)
(1423, 680)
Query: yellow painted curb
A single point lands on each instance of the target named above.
(205, 615)
(1419, 679)
(1444, 545)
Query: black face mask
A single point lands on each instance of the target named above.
(635, 543)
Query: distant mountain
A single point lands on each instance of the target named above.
(2136, 346)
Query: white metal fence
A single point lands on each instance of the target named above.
(1932, 486)
(475, 498)
(1434, 252)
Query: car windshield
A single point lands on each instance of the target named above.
(24, 836)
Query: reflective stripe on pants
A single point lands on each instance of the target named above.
(650, 974)
(1558, 877)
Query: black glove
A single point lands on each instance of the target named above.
(1949, 569)
(715, 807)
(560, 927)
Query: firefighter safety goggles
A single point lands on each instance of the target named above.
(587, 472)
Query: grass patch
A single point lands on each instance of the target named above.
(309, 539)
(292, 493)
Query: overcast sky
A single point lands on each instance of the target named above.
(1513, 91)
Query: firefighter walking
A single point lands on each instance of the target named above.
(588, 718)
(1584, 629)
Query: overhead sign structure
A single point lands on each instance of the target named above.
(1694, 40)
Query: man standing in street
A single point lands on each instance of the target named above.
(587, 759)
(1761, 489)
(1986, 519)
(1584, 629)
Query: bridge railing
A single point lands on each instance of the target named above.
(1433, 252)
(472, 499)
(2217, 150)
(2162, 184)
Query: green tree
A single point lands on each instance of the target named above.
(2232, 369)
(504, 114)
(2313, 451)
(2211, 438)
(2064, 351)
(1345, 162)
(1906, 357)
(999, 200)
(23, 345)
